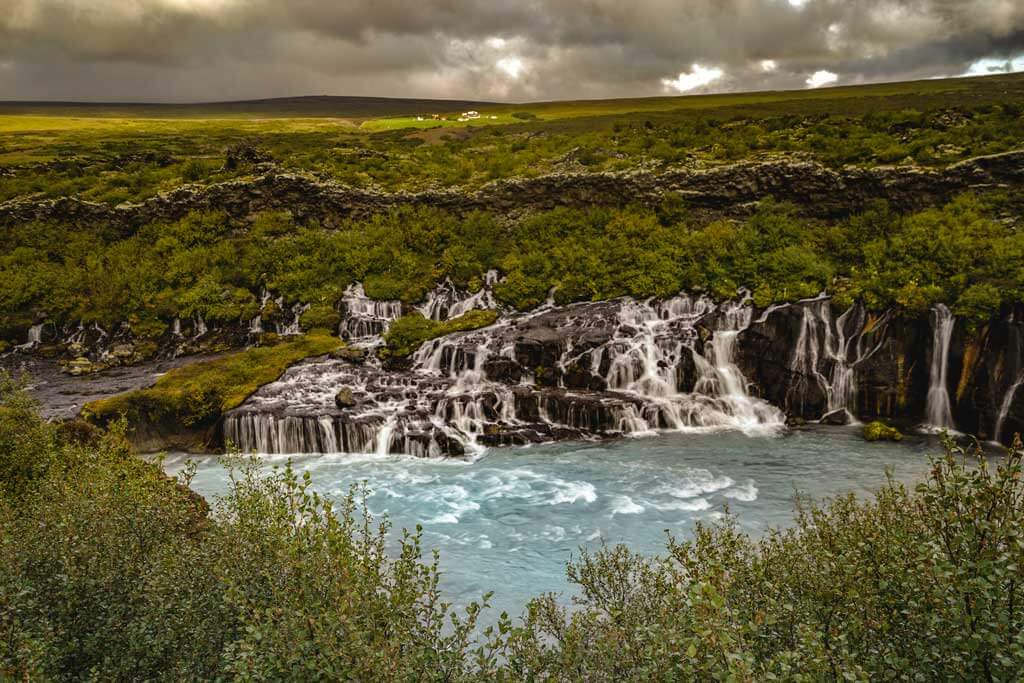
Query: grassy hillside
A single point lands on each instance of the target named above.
(103, 156)
(207, 265)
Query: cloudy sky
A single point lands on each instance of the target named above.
(203, 50)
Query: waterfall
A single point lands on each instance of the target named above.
(35, 338)
(446, 301)
(938, 412)
(200, 327)
(176, 327)
(605, 368)
(827, 353)
(1004, 409)
(293, 328)
(364, 318)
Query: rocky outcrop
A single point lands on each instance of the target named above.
(728, 189)
(987, 376)
(812, 359)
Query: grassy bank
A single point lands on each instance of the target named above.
(195, 396)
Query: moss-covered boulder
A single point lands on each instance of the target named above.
(407, 333)
(879, 431)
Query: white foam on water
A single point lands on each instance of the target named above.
(624, 505)
(745, 494)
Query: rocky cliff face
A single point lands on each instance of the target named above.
(814, 361)
(728, 190)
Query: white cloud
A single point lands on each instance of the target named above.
(768, 65)
(697, 77)
(820, 78)
(512, 66)
(983, 67)
(496, 42)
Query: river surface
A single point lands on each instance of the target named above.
(510, 521)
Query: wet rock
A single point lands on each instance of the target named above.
(352, 354)
(504, 370)
(344, 398)
(837, 418)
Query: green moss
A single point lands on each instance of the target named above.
(200, 393)
(879, 431)
(406, 334)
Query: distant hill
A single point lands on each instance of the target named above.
(322, 106)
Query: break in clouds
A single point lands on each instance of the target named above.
(194, 50)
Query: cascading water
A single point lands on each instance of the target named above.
(363, 317)
(1004, 408)
(827, 353)
(938, 411)
(35, 338)
(294, 327)
(446, 301)
(582, 370)
(200, 327)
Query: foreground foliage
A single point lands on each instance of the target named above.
(111, 571)
(199, 393)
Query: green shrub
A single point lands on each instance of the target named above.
(112, 571)
(109, 570)
(920, 585)
(320, 316)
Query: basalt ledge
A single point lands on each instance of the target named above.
(731, 189)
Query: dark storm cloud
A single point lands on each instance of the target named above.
(219, 49)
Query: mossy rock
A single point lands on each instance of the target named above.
(407, 333)
(879, 431)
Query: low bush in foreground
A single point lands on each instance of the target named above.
(406, 334)
(199, 393)
(110, 570)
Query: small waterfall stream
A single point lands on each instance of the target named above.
(364, 318)
(939, 415)
(1004, 408)
(35, 338)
